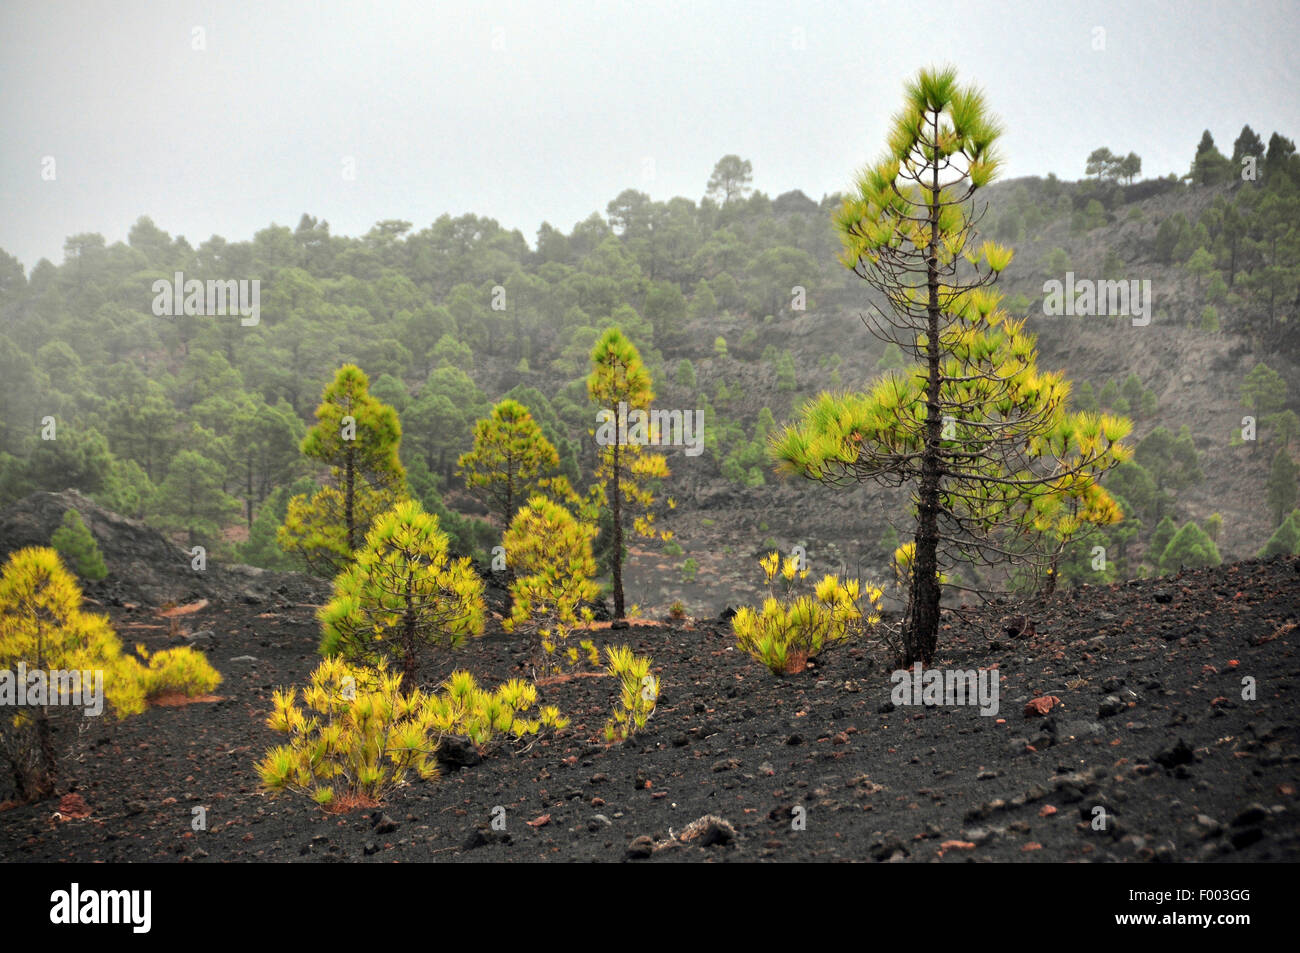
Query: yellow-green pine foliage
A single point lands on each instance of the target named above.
(76, 544)
(785, 635)
(462, 707)
(353, 733)
(357, 437)
(181, 669)
(402, 591)
(625, 469)
(510, 459)
(550, 552)
(638, 692)
(996, 462)
(42, 626)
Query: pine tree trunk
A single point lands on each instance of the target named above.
(349, 502)
(923, 631)
(410, 634)
(617, 557)
(48, 775)
(249, 487)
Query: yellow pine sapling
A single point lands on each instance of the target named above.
(402, 591)
(462, 707)
(625, 472)
(550, 553)
(785, 635)
(355, 736)
(357, 437)
(80, 664)
(510, 459)
(638, 692)
(180, 670)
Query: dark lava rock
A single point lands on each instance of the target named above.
(1163, 596)
(456, 752)
(1253, 814)
(889, 850)
(640, 848)
(708, 831)
(481, 838)
(382, 823)
(1111, 705)
(1174, 755)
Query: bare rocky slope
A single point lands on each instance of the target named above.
(1166, 707)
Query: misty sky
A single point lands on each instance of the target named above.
(536, 112)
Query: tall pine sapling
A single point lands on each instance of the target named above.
(357, 437)
(620, 385)
(983, 438)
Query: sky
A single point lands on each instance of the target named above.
(225, 117)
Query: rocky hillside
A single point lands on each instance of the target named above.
(144, 567)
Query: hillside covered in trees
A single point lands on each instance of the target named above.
(741, 313)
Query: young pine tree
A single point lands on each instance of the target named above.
(620, 385)
(400, 592)
(510, 459)
(43, 627)
(550, 554)
(981, 435)
(76, 544)
(357, 437)
(1285, 539)
(1281, 485)
(1160, 539)
(1190, 548)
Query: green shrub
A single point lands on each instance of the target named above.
(76, 544)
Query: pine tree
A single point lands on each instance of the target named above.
(402, 591)
(358, 438)
(190, 499)
(1214, 527)
(1285, 540)
(1281, 485)
(996, 463)
(1160, 539)
(1172, 461)
(620, 386)
(510, 460)
(43, 628)
(1190, 548)
(76, 544)
(550, 554)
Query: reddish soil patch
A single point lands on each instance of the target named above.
(179, 699)
(189, 609)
